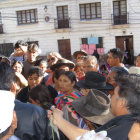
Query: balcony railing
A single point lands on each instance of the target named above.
(1, 29)
(62, 23)
(120, 19)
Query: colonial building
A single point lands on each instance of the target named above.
(67, 25)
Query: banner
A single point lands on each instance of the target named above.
(93, 40)
(92, 47)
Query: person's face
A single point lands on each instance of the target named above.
(80, 72)
(78, 58)
(19, 50)
(89, 66)
(138, 61)
(43, 66)
(65, 84)
(31, 55)
(17, 67)
(34, 80)
(115, 102)
(52, 60)
(110, 79)
(64, 67)
(111, 60)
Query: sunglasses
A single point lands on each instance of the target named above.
(52, 59)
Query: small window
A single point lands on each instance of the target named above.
(27, 16)
(90, 11)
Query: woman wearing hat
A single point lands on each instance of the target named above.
(78, 55)
(66, 96)
(62, 64)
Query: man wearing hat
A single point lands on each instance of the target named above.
(63, 64)
(95, 99)
(79, 54)
(93, 80)
(125, 106)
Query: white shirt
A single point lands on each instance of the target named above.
(92, 135)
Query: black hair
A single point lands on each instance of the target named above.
(7, 76)
(42, 94)
(117, 53)
(57, 74)
(129, 90)
(119, 69)
(70, 75)
(35, 70)
(40, 61)
(33, 46)
(20, 42)
(15, 61)
(138, 56)
(4, 133)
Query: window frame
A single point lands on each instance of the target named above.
(91, 15)
(63, 12)
(26, 19)
(119, 7)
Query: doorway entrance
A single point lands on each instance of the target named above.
(64, 48)
(125, 43)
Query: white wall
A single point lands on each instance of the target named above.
(45, 33)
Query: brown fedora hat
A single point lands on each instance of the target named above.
(95, 107)
(79, 52)
(94, 80)
(62, 62)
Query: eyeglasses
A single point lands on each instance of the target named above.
(51, 59)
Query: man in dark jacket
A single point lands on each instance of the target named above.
(32, 121)
(125, 105)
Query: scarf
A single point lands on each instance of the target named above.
(67, 99)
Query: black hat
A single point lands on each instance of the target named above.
(94, 80)
(79, 52)
(62, 62)
(95, 107)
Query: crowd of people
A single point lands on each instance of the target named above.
(90, 97)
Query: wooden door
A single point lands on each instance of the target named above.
(125, 43)
(65, 48)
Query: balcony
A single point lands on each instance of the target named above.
(120, 19)
(62, 23)
(1, 29)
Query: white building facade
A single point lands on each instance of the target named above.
(64, 25)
